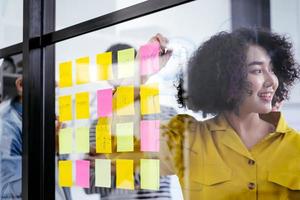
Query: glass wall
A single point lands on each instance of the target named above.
(79, 11)
(122, 131)
(111, 100)
(11, 22)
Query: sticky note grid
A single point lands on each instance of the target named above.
(118, 102)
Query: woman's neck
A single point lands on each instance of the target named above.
(249, 127)
(242, 122)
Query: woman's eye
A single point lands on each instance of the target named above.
(256, 71)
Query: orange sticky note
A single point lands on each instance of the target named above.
(125, 179)
(149, 99)
(150, 174)
(82, 105)
(103, 136)
(65, 173)
(126, 63)
(124, 137)
(65, 140)
(125, 100)
(65, 74)
(82, 70)
(65, 108)
(104, 66)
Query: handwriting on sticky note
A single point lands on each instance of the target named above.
(149, 99)
(82, 105)
(65, 140)
(125, 178)
(65, 74)
(125, 100)
(83, 173)
(149, 130)
(103, 136)
(124, 137)
(149, 58)
(104, 66)
(126, 63)
(103, 173)
(82, 70)
(65, 173)
(149, 174)
(65, 108)
(104, 103)
(82, 140)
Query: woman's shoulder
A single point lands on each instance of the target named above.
(184, 122)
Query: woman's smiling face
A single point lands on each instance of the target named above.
(262, 81)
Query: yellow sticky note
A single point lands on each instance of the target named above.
(126, 63)
(125, 179)
(65, 173)
(65, 108)
(149, 99)
(149, 174)
(65, 74)
(82, 140)
(82, 70)
(124, 137)
(104, 66)
(103, 136)
(82, 105)
(125, 100)
(65, 140)
(103, 173)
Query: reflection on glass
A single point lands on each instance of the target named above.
(11, 128)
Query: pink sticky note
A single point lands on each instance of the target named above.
(150, 135)
(83, 173)
(104, 99)
(149, 58)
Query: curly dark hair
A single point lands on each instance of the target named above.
(216, 73)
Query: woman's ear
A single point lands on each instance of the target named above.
(19, 85)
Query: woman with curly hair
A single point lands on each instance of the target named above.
(246, 151)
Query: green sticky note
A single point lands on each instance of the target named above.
(65, 141)
(126, 63)
(124, 137)
(82, 140)
(150, 174)
(103, 173)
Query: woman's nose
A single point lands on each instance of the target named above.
(270, 79)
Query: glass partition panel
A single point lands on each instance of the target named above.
(79, 11)
(11, 22)
(113, 95)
